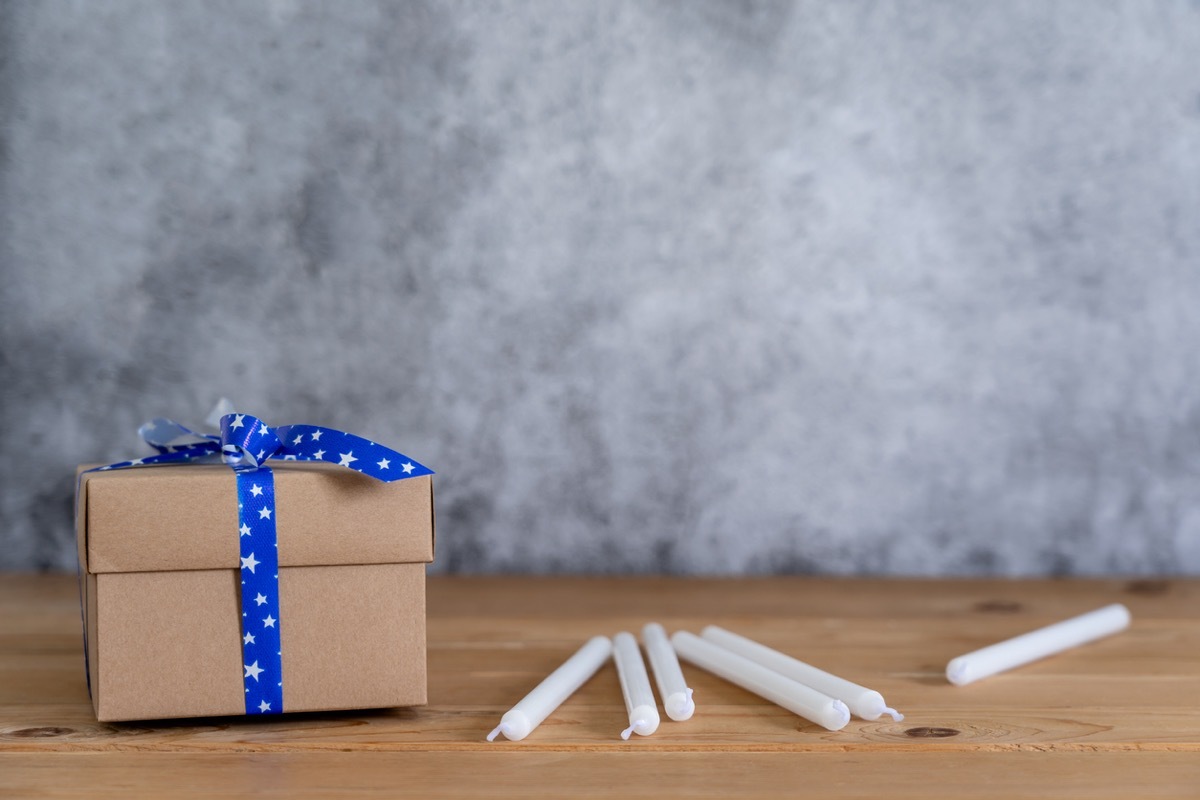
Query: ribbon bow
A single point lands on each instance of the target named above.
(246, 443)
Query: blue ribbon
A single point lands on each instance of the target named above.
(246, 443)
(262, 653)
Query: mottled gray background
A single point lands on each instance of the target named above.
(691, 287)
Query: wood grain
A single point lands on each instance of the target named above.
(987, 776)
(1116, 718)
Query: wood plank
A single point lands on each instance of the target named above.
(744, 727)
(773, 597)
(633, 598)
(986, 776)
(1117, 713)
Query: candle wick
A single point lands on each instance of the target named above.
(626, 733)
(689, 691)
(492, 736)
(896, 715)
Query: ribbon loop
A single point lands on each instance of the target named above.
(168, 436)
(246, 441)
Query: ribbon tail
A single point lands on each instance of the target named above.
(315, 443)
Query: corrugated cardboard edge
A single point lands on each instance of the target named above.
(81, 479)
(432, 524)
(87, 584)
(92, 656)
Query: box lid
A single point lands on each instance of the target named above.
(184, 517)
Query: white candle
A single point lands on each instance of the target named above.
(635, 685)
(1037, 644)
(526, 715)
(672, 688)
(861, 701)
(822, 709)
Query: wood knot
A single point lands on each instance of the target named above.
(41, 733)
(1150, 588)
(998, 606)
(930, 733)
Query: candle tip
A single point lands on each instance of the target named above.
(842, 716)
(896, 715)
(625, 734)
(491, 737)
(957, 671)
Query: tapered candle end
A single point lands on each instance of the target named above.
(644, 720)
(679, 706)
(625, 734)
(839, 716)
(514, 725)
(896, 715)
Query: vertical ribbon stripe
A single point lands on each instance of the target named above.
(262, 653)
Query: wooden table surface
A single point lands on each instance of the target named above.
(1117, 718)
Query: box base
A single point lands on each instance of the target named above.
(168, 644)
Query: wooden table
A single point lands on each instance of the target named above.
(1117, 718)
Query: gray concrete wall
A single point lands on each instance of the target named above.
(693, 287)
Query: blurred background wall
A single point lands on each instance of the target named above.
(684, 287)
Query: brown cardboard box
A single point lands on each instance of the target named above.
(159, 551)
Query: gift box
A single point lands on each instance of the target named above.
(171, 630)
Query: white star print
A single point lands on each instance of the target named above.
(269, 621)
(407, 467)
(316, 437)
(264, 706)
(347, 458)
(245, 529)
(298, 439)
(383, 463)
(248, 639)
(260, 455)
(252, 671)
(263, 430)
(237, 422)
(260, 599)
(319, 454)
(256, 490)
(249, 563)
(264, 513)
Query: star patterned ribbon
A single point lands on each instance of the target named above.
(262, 651)
(245, 444)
